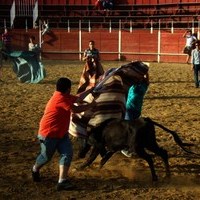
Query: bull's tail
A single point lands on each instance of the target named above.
(177, 139)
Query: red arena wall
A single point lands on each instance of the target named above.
(149, 30)
(114, 45)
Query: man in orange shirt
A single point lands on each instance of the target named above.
(53, 133)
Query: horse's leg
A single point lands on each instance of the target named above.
(163, 154)
(142, 153)
(94, 153)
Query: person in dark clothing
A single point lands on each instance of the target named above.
(107, 4)
(6, 40)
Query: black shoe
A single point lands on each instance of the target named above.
(65, 185)
(36, 176)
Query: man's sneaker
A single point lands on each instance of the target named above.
(36, 176)
(126, 153)
(65, 185)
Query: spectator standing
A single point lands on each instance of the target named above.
(107, 4)
(195, 60)
(190, 40)
(32, 46)
(92, 69)
(1, 58)
(6, 39)
(45, 27)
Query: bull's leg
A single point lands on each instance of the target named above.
(94, 153)
(105, 158)
(163, 154)
(142, 153)
(84, 147)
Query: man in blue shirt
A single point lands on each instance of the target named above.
(134, 103)
(195, 60)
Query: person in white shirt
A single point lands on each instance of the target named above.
(195, 61)
(190, 40)
(32, 46)
(45, 27)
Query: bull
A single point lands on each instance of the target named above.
(114, 135)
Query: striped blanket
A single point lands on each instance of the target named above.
(27, 67)
(110, 103)
(110, 100)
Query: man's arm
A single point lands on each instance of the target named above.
(185, 33)
(81, 108)
(192, 60)
(84, 56)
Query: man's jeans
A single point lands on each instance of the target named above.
(50, 145)
(196, 75)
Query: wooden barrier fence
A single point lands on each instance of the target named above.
(146, 45)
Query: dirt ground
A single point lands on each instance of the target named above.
(171, 100)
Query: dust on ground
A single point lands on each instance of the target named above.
(171, 100)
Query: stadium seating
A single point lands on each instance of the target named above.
(60, 12)
(140, 11)
(5, 6)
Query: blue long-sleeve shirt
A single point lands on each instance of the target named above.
(195, 59)
(135, 100)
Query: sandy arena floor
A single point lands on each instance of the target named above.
(172, 100)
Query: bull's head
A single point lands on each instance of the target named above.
(133, 72)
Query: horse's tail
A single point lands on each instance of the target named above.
(177, 139)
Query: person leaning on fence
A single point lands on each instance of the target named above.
(53, 133)
(1, 59)
(190, 40)
(32, 46)
(45, 30)
(195, 61)
(6, 39)
(45, 27)
(92, 70)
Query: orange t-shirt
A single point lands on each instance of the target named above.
(56, 118)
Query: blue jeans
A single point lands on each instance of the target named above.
(49, 147)
(132, 114)
(196, 75)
